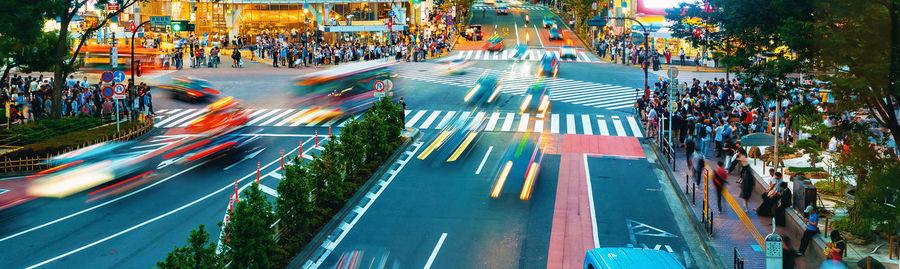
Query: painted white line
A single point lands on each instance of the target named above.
(445, 120)
(516, 24)
(604, 130)
(185, 121)
(406, 112)
(570, 124)
(149, 146)
(523, 123)
(268, 190)
(162, 111)
(98, 206)
(634, 127)
(435, 251)
(260, 118)
(430, 119)
(554, 123)
(538, 33)
(173, 117)
(348, 120)
(275, 118)
(586, 123)
(620, 131)
(415, 118)
(587, 177)
(257, 112)
(507, 123)
(484, 160)
(539, 126)
(492, 122)
(292, 117)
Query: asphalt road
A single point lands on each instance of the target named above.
(433, 213)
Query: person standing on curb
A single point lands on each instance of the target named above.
(403, 111)
(812, 228)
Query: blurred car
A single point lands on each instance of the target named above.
(494, 44)
(490, 2)
(372, 258)
(567, 52)
(190, 89)
(451, 143)
(536, 101)
(549, 65)
(548, 22)
(341, 91)
(473, 32)
(485, 91)
(520, 166)
(555, 33)
(502, 10)
(520, 52)
(453, 67)
(515, 3)
(223, 116)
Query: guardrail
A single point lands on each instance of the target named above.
(8, 165)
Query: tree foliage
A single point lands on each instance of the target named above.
(23, 44)
(197, 254)
(250, 240)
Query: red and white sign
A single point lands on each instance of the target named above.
(112, 6)
(119, 89)
(379, 86)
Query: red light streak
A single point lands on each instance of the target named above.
(120, 183)
(186, 149)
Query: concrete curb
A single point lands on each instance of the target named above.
(685, 205)
(316, 247)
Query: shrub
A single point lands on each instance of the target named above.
(831, 187)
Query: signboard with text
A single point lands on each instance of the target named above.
(160, 20)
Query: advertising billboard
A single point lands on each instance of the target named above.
(657, 7)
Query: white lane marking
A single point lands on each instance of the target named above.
(256, 112)
(538, 33)
(516, 24)
(586, 123)
(292, 117)
(162, 111)
(479, 118)
(415, 118)
(620, 131)
(484, 160)
(173, 117)
(257, 119)
(149, 145)
(98, 206)
(184, 122)
(604, 130)
(492, 122)
(445, 120)
(539, 126)
(477, 55)
(430, 119)
(435, 251)
(406, 112)
(634, 127)
(587, 177)
(621, 106)
(523, 123)
(554, 123)
(268, 190)
(585, 57)
(273, 119)
(507, 123)
(570, 124)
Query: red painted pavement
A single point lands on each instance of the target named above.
(571, 233)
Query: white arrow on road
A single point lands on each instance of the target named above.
(249, 156)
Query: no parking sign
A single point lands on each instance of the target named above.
(379, 86)
(107, 77)
(107, 92)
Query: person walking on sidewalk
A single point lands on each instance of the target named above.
(812, 228)
(719, 181)
(746, 180)
(698, 164)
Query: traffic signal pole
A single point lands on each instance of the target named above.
(645, 64)
(133, 34)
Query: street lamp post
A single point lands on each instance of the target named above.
(645, 65)
(133, 34)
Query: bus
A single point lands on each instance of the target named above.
(343, 90)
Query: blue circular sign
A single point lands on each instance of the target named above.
(107, 92)
(118, 77)
(391, 13)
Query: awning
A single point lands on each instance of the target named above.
(758, 140)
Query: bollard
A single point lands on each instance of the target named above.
(282, 160)
(236, 199)
(300, 154)
(257, 172)
(317, 138)
(329, 129)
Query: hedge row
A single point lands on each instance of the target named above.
(59, 143)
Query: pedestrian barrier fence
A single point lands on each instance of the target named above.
(8, 165)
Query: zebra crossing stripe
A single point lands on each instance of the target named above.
(585, 56)
(273, 119)
(586, 123)
(173, 117)
(603, 129)
(570, 124)
(430, 119)
(492, 122)
(406, 112)
(539, 126)
(264, 116)
(445, 120)
(415, 118)
(507, 123)
(189, 119)
(523, 123)
(635, 130)
(620, 131)
(292, 117)
(257, 112)
(619, 100)
(479, 117)
(161, 111)
(617, 107)
(465, 115)
(349, 120)
(554, 123)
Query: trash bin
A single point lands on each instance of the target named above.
(804, 193)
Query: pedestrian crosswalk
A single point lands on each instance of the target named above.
(489, 7)
(529, 55)
(578, 92)
(497, 121)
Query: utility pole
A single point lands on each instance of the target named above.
(133, 34)
(645, 65)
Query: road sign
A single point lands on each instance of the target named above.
(379, 86)
(119, 88)
(107, 92)
(160, 20)
(107, 76)
(391, 13)
(112, 6)
(673, 72)
(118, 77)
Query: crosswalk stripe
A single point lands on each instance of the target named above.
(620, 131)
(556, 53)
(622, 106)
(348, 120)
(477, 54)
(445, 120)
(616, 104)
(257, 112)
(292, 117)
(554, 123)
(174, 117)
(539, 126)
(570, 124)
(496, 55)
(606, 99)
(307, 118)
(189, 119)
(585, 56)
(507, 123)
(586, 123)
(275, 118)
(264, 116)
(430, 119)
(459, 55)
(470, 54)
(635, 130)
(161, 111)
(479, 117)
(604, 130)
(572, 93)
(415, 118)
(492, 122)
(406, 112)
(523, 123)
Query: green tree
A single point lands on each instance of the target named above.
(250, 239)
(198, 253)
(23, 43)
(294, 208)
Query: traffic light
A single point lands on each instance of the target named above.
(178, 26)
(132, 28)
(137, 67)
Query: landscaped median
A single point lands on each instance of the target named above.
(30, 144)
(312, 196)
